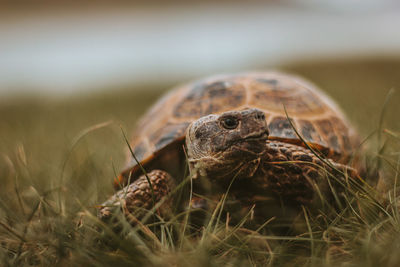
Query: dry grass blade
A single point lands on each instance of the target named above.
(309, 231)
(9, 229)
(74, 143)
(381, 148)
(392, 133)
(189, 206)
(141, 167)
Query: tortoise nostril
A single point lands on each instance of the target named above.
(260, 116)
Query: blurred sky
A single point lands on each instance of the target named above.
(71, 48)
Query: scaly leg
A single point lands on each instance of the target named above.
(137, 198)
(295, 174)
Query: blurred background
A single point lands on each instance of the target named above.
(67, 66)
(66, 48)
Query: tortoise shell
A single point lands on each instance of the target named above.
(316, 117)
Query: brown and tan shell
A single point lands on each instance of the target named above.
(315, 116)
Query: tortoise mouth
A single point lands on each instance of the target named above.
(263, 136)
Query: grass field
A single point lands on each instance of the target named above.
(56, 165)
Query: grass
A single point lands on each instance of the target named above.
(58, 157)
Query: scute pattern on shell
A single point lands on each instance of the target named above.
(315, 116)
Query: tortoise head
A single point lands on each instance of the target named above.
(227, 145)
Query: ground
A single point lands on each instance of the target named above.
(58, 157)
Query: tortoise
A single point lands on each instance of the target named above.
(272, 133)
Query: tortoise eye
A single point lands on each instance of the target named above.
(230, 122)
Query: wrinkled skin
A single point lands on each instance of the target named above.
(218, 150)
(261, 167)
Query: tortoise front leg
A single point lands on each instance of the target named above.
(136, 199)
(297, 175)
